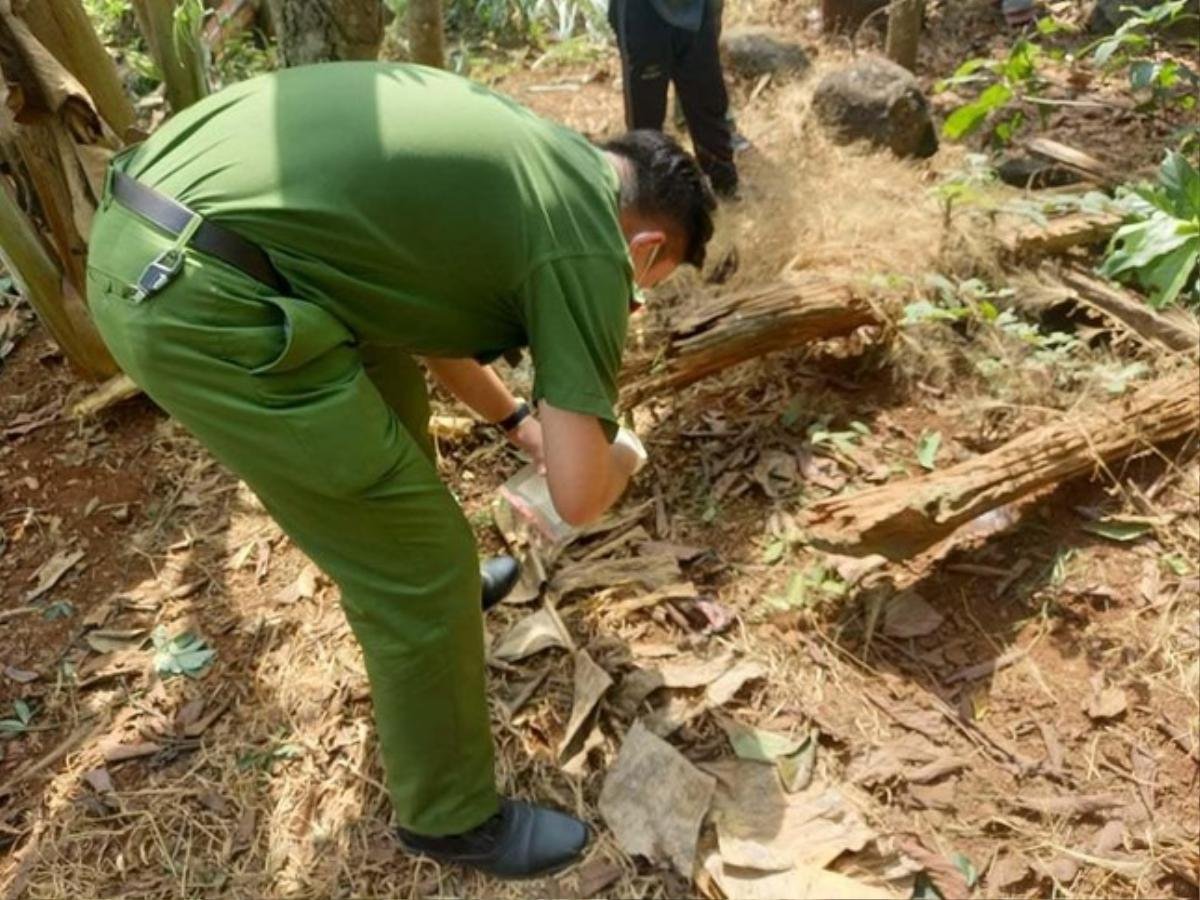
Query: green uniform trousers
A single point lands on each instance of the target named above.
(332, 437)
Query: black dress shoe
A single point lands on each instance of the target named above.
(520, 841)
(499, 576)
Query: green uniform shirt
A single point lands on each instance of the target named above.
(421, 209)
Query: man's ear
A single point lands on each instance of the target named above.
(646, 241)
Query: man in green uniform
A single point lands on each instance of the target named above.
(270, 265)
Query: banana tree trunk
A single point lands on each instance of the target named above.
(56, 144)
(56, 303)
(63, 28)
(178, 53)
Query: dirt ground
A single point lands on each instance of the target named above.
(1019, 719)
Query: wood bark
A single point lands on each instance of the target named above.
(312, 31)
(1059, 235)
(63, 28)
(41, 282)
(741, 326)
(51, 126)
(425, 34)
(181, 62)
(900, 520)
(1169, 329)
(904, 32)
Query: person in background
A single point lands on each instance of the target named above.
(664, 42)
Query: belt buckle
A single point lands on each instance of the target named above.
(158, 274)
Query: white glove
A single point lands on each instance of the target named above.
(627, 438)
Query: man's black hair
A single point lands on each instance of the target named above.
(669, 184)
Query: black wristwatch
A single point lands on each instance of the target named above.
(515, 418)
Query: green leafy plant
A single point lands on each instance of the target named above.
(1158, 247)
(1135, 44)
(808, 588)
(185, 654)
(927, 449)
(19, 724)
(1013, 78)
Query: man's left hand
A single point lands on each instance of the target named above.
(527, 436)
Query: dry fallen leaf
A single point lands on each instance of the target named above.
(760, 827)
(100, 780)
(724, 688)
(908, 615)
(20, 676)
(934, 796)
(534, 633)
(776, 473)
(801, 882)
(51, 571)
(1108, 704)
(945, 875)
(303, 588)
(1006, 871)
(114, 640)
(654, 800)
(651, 572)
(591, 683)
(595, 875)
(577, 764)
(1070, 805)
(687, 672)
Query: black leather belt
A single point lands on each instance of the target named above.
(210, 238)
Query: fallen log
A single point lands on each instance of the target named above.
(1074, 159)
(1172, 329)
(745, 325)
(1059, 235)
(903, 519)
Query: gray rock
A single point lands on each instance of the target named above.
(878, 101)
(1107, 15)
(754, 51)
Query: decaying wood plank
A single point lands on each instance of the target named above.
(1173, 329)
(745, 325)
(1060, 234)
(1076, 160)
(119, 387)
(900, 520)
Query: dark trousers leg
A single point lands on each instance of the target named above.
(700, 84)
(646, 58)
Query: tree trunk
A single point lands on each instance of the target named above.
(180, 61)
(311, 31)
(49, 123)
(906, 518)
(425, 37)
(904, 32)
(741, 326)
(41, 283)
(64, 29)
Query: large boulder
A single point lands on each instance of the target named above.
(1107, 15)
(755, 51)
(878, 101)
